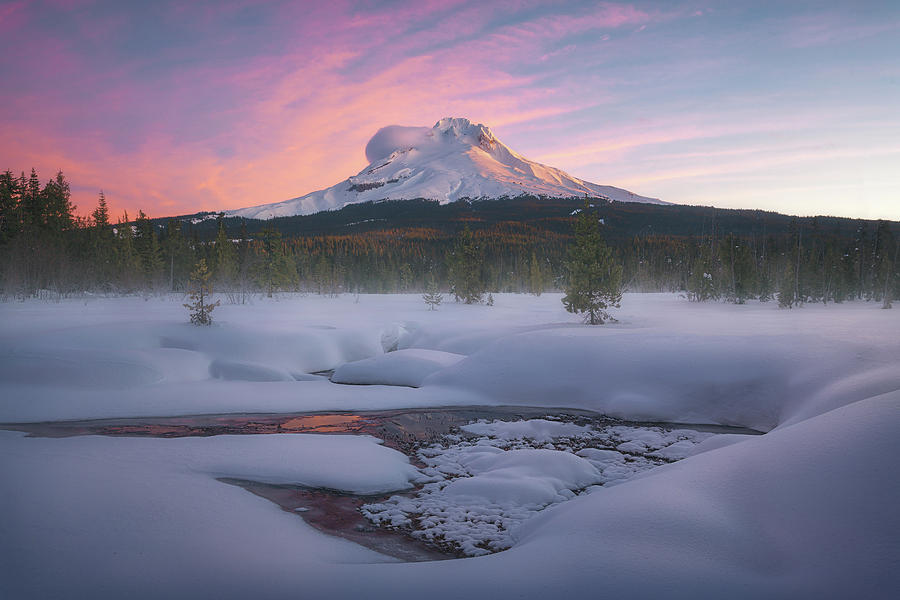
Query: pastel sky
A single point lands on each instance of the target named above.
(180, 106)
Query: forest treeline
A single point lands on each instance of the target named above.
(46, 250)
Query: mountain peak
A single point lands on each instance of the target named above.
(397, 138)
(455, 159)
(461, 128)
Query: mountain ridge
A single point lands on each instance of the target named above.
(454, 160)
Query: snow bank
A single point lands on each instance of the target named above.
(805, 511)
(355, 464)
(243, 371)
(97, 517)
(745, 381)
(403, 367)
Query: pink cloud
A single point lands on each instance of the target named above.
(224, 115)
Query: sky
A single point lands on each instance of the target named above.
(176, 107)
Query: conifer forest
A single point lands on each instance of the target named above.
(506, 245)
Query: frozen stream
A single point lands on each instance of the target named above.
(484, 470)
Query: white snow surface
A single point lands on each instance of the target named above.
(453, 160)
(479, 491)
(407, 367)
(807, 510)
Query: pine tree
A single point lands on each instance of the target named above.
(128, 264)
(177, 255)
(432, 295)
(701, 285)
(406, 277)
(738, 261)
(245, 258)
(595, 277)
(10, 194)
(275, 271)
(32, 206)
(225, 257)
(535, 276)
(102, 242)
(57, 204)
(201, 308)
(101, 213)
(466, 269)
(886, 253)
(786, 295)
(146, 246)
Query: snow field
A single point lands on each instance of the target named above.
(808, 510)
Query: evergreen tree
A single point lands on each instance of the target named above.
(201, 308)
(244, 262)
(275, 271)
(146, 246)
(102, 242)
(177, 255)
(33, 210)
(595, 277)
(128, 264)
(765, 282)
(466, 269)
(535, 276)
(101, 213)
(787, 297)
(226, 259)
(799, 293)
(738, 261)
(701, 285)
(57, 205)
(406, 277)
(10, 194)
(886, 253)
(432, 295)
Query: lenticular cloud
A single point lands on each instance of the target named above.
(394, 137)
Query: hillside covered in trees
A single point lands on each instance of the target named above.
(399, 246)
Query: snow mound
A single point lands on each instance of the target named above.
(532, 478)
(353, 464)
(453, 160)
(77, 369)
(242, 371)
(645, 376)
(407, 367)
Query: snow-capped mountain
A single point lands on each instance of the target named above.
(454, 159)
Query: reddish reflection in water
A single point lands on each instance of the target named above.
(325, 424)
(337, 514)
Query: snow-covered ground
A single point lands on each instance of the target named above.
(807, 510)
